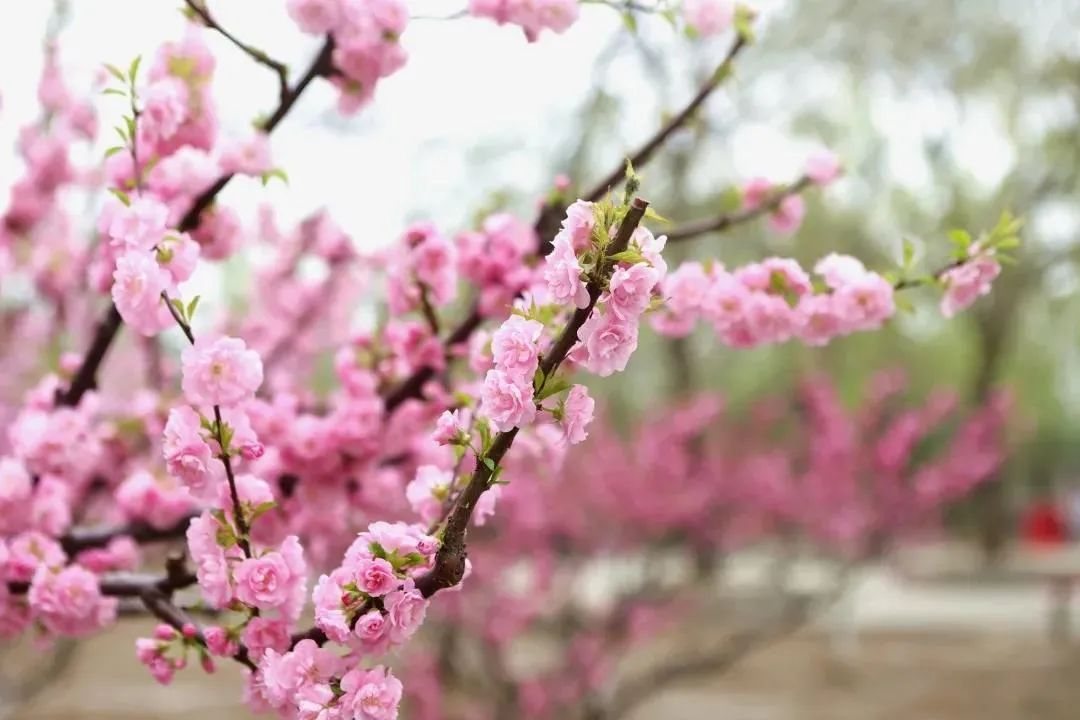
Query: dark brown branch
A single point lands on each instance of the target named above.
(199, 9)
(412, 386)
(696, 228)
(80, 539)
(450, 560)
(86, 376)
(547, 222)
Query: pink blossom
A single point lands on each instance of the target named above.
(630, 290)
(248, 157)
(316, 17)
(69, 601)
(755, 192)
(15, 490)
(684, 292)
(137, 226)
(562, 273)
(865, 302)
(27, 552)
(164, 109)
(161, 502)
(578, 224)
(451, 428)
(219, 233)
(220, 372)
(428, 491)
(211, 566)
(709, 17)
(608, 342)
(375, 576)
(179, 255)
(262, 634)
(50, 511)
(137, 287)
(577, 413)
(372, 631)
(219, 643)
(515, 347)
(839, 270)
(371, 694)
(532, 16)
(263, 582)
(966, 282)
(507, 400)
(405, 610)
(188, 457)
(822, 167)
(788, 215)
(485, 506)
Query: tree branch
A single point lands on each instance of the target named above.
(695, 228)
(79, 539)
(450, 560)
(199, 9)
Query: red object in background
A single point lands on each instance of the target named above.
(1043, 524)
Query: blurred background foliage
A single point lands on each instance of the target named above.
(945, 114)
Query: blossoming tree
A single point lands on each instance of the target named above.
(373, 486)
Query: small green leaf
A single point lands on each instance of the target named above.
(113, 150)
(538, 379)
(489, 464)
(191, 307)
(121, 196)
(114, 91)
(960, 238)
(651, 214)
(630, 255)
(178, 304)
(630, 21)
(908, 253)
(554, 386)
(378, 551)
(133, 69)
(744, 23)
(262, 509)
(122, 133)
(115, 72)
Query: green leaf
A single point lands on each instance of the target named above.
(179, 305)
(133, 68)
(122, 133)
(113, 150)
(960, 238)
(114, 91)
(630, 21)
(554, 386)
(275, 173)
(744, 23)
(378, 550)
(731, 200)
(630, 255)
(908, 254)
(121, 196)
(116, 73)
(130, 126)
(538, 379)
(191, 307)
(651, 214)
(262, 509)
(489, 464)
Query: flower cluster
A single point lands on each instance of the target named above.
(774, 301)
(533, 16)
(968, 281)
(366, 36)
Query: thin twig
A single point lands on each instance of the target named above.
(727, 221)
(279, 68)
